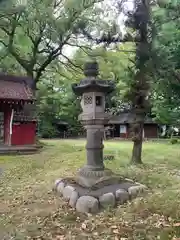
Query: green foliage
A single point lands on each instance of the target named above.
(47, 130)
(174, 140)
(56, 100)
(38, 46)
(33, 41)
(166, 86)
(35, 36)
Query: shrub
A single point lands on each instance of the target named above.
(47, 130)
(174, 141)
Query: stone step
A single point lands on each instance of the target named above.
(15, 150)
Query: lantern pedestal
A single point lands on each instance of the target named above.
(94, 168)
(94, 186)
(104, 192)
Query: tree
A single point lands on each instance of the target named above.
(38, 34)
(166, 103)
(56, 102)
(139, 84)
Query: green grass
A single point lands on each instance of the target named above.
(30, 210)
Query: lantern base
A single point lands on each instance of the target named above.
(104, 194)
(89, 177)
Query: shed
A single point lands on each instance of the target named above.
(122, 124)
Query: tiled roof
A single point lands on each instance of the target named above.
(15, 90)
(19, 88)
(12, 78)
(127, 117)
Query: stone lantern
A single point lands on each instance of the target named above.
(94, 186)
(93, 118)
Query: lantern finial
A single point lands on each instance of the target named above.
(91, 69)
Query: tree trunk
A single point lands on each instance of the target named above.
(137, 147)
(136, 153)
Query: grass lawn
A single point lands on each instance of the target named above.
(30, 210)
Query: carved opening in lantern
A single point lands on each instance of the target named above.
(87, 99)
(98, 100)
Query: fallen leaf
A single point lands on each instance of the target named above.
(116, 231)
(60, 237)
(95, 233)
(176, 225)
(113, 227)
(83, 226)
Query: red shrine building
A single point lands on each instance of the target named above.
(17, 118)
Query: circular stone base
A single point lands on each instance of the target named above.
(102, 195)
(88, 177)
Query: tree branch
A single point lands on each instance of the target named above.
(11, 34)
(3, 43)
(71, 63)
(56, 52)
(52, 55)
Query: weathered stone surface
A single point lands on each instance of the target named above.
(129, 180)
(144, 187)
(87, 204)
(73, 199)
(87, 177)
(67, 191)
(107, 200)
(60, 187)
(101, 188)
(122, 196)
(135, 191)
(57, 182)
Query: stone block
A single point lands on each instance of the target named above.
(73, 199)
(67, 191)
(107, 200)
(57, 183)
(129, 180)
(87, 204)
(122, 196)
(136, 191)
(60, 187)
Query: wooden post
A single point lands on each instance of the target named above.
(11, 123)
(8, 117)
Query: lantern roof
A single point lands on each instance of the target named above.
(91, 82)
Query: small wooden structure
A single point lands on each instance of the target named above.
(62, 128)
(122, 127)
(17, 122)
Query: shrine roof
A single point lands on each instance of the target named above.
(16, 88)
(127, 117)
